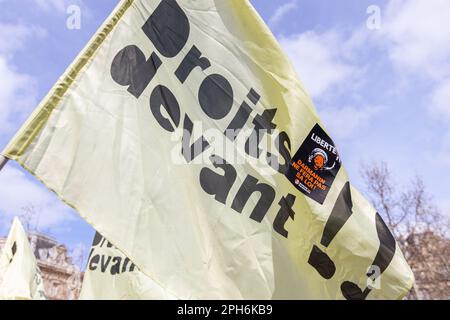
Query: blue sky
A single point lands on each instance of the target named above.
(383, 89)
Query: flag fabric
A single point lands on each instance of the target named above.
(20, 277)
(182, 134)
(110, 275)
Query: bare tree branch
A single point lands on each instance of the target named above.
(419, 227)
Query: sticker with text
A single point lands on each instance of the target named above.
(315, 165)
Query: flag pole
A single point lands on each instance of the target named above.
(3, 161)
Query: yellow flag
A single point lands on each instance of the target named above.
(182, 134)
(110, 275)
(20, 277)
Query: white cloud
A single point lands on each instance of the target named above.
(344, 122)
(56, 5)
(418, 35)
(17, 90)
(319, 60)
(281, 11)
(328, 63)
(440, 102)
(18, 192)
(60, 8)
(14, 36)
(17, 96)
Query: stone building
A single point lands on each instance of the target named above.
(62, 278)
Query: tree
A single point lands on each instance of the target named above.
(419, 227)
(30, 217)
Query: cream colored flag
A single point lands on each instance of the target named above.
(182, 134)
(20, 277)
(110, 275)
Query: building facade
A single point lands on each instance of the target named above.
(62, 278)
